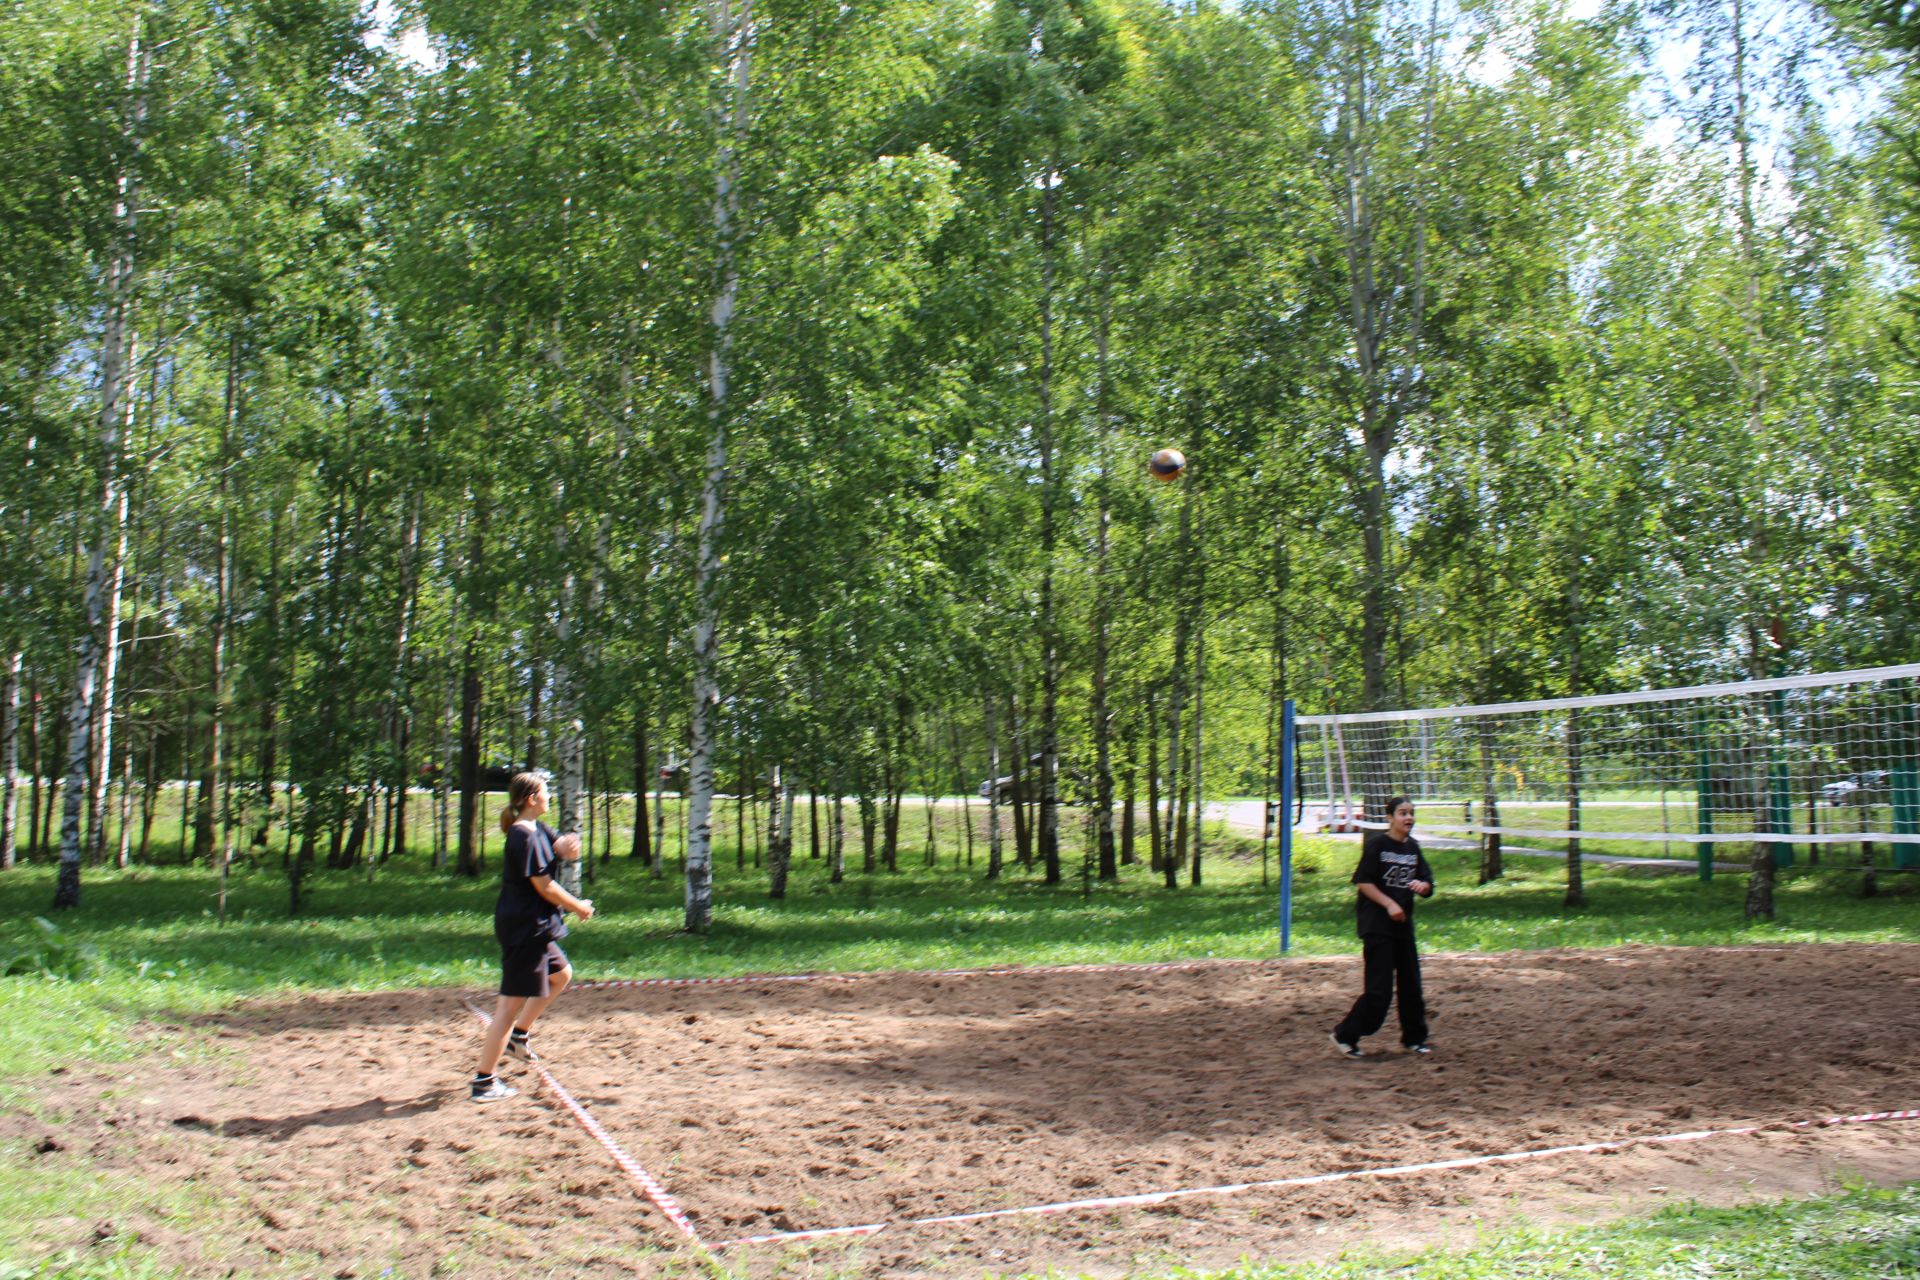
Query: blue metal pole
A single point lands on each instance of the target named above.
(1287, 748)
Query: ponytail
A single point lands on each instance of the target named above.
(520, 789)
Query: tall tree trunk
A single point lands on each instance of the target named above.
(1102, 717)
(150, 784)
(123, 854)
(837, 838)
(470, 692)
(572, 742)
(1049, 622)
(1199, 770)
(1176, 708)
(537, 676)
(993, 794)
(659, 869)
(813, 818)
(117, 347)
(1156, 849)
(1022, 828)
(779, 836)
(960, 781)
(270, 695)
(35, 841)
(642, 843)
(10, 758)
(1756, 394)
(1386, 321)
(733, 46)
(101, 770)
(212, 764)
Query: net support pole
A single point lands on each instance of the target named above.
(1703, 787)
(1288, 746)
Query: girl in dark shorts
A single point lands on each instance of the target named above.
(529, 920)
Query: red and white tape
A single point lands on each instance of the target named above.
(1161, 1197)
(649, 1185)
(1007, 971)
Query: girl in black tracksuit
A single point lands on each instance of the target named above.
(1391, 875)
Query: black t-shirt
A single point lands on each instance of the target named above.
(522, 914)
(1389, 865)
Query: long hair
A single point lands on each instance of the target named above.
(520, 789)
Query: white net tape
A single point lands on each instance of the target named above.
(1819, 759)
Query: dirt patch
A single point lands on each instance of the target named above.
(335, 1138)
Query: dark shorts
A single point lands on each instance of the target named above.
(528, 969)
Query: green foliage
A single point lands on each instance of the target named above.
(52, 955)
(1859, 1233)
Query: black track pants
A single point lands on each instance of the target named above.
(1390, 959)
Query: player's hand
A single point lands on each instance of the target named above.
(568, 846)
(585, 909)
(1420, 887)
(1397, 913)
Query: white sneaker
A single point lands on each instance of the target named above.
(493, 1090)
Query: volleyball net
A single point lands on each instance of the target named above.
(1794, 761)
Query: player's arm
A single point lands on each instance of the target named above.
(1424, 884)
(1375, 893)
(547, 888)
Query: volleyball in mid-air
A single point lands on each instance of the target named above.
(1168, 464)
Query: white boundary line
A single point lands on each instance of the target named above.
(649, 1185)
(1161, 1197)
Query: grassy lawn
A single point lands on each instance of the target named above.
(145, 948)
(1863, 1233)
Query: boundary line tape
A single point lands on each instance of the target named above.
(1161, 1197)
(649, 1185)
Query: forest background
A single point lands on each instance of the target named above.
(753, 397)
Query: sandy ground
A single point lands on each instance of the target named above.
(332, 1137)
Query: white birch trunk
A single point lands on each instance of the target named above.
(9, 759)
(659, 869)
(779, 835)
(733, 41)
(837, 852)
(117, 345)
(101, 769)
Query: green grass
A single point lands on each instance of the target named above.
(144, 952)
(1864, 1233)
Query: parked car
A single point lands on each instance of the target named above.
(1004, 786)
(1856, 788)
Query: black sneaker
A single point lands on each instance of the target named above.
(1344, 1049)
(490, 1089)
(1422, 1047)
(517, 1047)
